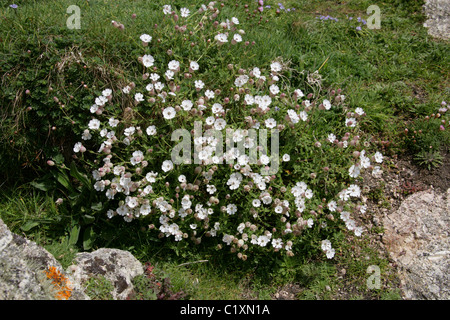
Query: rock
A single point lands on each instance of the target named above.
(417, 238)
(23, 266)
(117, 266)
(438, 13)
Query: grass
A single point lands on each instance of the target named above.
(396, 74)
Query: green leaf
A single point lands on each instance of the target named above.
(29, 225)
(97, 206)
(42, 185)
(88, 238)
(74, 235)
(88, 219)
(81, 177)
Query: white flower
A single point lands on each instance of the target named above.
(187, 105)
(93, 108)
(303, 115)
(169, 113)
(358, 231)
(345, 216)
(113, 122)
(194, 66)
(199, 84)
(101, 100)
(86, 135)
(327, 104)
(235, 20)
(326, 245)
(354, 190)
(262, 240)
(286, 157)
(174, 65)
(378, 157)
(221, 38)
(350, 122)
(129, 131)
(217, 108)
(94, 124)
(167, 9)
(159, 86)
(106, 92)
(167, 165)
(274, 89)
(331, 138)
(185, 12)
(376, 172)
(154, 77)
(145, 38)
(359, 111)
(169, 74)
(145, 209)
(151, 130)
(299, 93)
(275, 66)
(270, 123)
(139, 97)
(211, 189)
(150, 87)
(77, 147)
(231, 209)
(265, 159)
(210, 120)
(310, 222)
(256, 72)
(237, 38)
(330, 253)
(293, 116)
(277, 243)
(138, 156)
(126, 89)
(209, 94)
(220, 124)
(365, 161)
(241, 80)
(332, 205)
(148, 60)
(354, 171)
(256, 203)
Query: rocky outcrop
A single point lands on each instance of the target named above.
(25, 268)
(417, 238)
(438, 22)
(117, 266)
(29, 272)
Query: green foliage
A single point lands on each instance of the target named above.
(382, 71)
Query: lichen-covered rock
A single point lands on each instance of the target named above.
(23, 270)
(417, 238)
(438, 13)
(117, 266)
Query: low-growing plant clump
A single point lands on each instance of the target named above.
(231, 187)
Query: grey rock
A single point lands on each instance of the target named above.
(438, 14)
(117, 266)
(417, 238)
(22, 269)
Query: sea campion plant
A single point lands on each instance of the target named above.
(225, 198)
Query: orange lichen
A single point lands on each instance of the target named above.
(61, 282)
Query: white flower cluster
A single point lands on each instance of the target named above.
(212, 198)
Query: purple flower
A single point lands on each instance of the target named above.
(358, 28)
(261, 9)
(14, 6)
